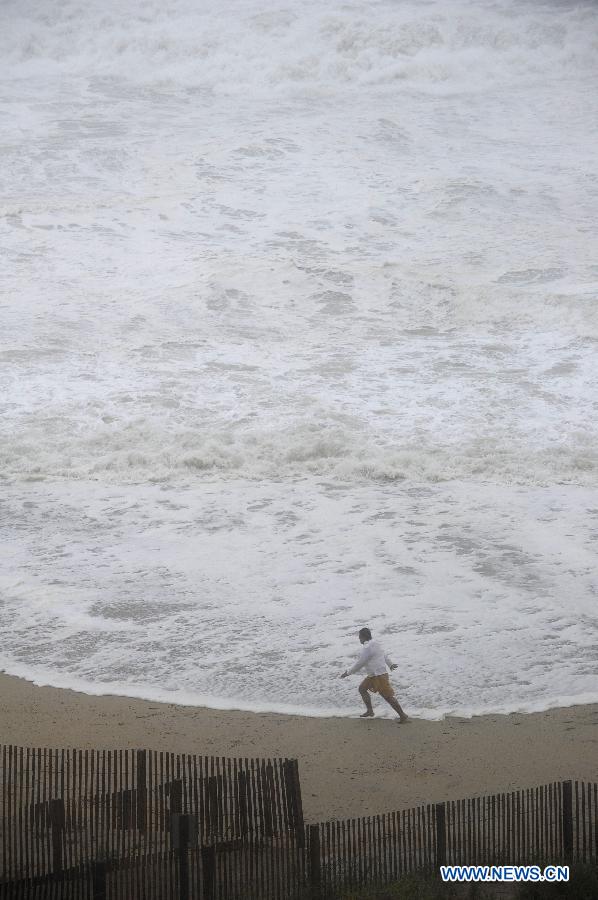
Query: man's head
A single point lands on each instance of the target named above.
(365, 635)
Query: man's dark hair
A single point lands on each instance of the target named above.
(365, 633)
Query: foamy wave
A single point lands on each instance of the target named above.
(143, 452)
(294, 46)
(299, 317)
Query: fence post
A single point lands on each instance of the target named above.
(98, 880)
(242, 793)
(315, 874)
(567, 816)
(176, 796)
(440, 834)
(268, 805)
(208, 860)
(175, 807)
(213, 807)
(57, 820)
(183, 857)
(141, 790)
(183, 833)
(294, 803)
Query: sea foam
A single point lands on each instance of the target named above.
(299, 333)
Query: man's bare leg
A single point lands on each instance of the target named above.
(392, 701)
(365, 696)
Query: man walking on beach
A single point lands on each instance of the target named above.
(375, 660)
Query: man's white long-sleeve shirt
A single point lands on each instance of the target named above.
(373, 659)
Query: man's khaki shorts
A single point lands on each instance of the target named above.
(379, 684)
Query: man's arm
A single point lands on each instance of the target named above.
(361, 661)
(389, 662)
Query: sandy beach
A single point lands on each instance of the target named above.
(349, 767)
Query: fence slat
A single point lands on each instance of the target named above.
(567, 819)
(440, 834)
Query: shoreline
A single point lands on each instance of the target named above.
(180, 699)
(349, 767)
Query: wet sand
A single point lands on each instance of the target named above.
(349, 767)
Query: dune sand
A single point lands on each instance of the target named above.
(349, 767)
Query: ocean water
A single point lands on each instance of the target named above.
(298, 332)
